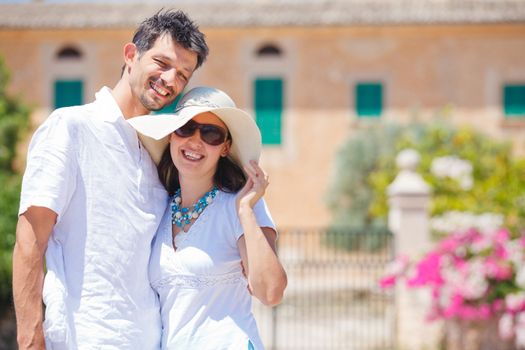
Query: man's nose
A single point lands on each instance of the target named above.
(168, 76)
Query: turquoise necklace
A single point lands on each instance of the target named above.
(183, 216)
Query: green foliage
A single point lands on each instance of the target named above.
(351, 194)
(499, 179)
(355, 226)
(9, 198)
(355, 238)
(13, 123)
(366, 167)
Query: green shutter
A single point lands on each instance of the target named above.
(68, 93)
(269, 109)
(369, 99)
(514, 100)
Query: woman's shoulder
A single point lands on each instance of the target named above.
(227, 202)
(227, 196)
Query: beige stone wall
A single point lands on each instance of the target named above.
(423, 68)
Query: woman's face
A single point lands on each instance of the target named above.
(192, 156)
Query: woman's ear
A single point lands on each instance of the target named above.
(226, 148)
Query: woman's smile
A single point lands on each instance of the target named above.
(191, 155)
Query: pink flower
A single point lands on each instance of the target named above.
(470, 312)
(427, 271)
(467, 312)
(453, 309)
(387, 282)
(520, 330)
(515, 302)
(394, 270)
(484, 312)
(501, 236)
(500, 251)
(464, 273)
(506, 326)
(496, 269)
(498, 305)
(448, 245)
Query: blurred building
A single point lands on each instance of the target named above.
(310, 71)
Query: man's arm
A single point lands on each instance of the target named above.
(32, 234)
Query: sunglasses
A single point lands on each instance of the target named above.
(211, 134)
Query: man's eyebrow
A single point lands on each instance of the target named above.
(162, 56)
(167, 58)
(188, 70)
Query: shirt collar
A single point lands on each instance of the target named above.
(110, 111)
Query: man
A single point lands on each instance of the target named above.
(91, 202)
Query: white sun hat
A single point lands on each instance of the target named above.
(155, 129)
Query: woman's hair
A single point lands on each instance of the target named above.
(228, 177)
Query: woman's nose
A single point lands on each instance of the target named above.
(196, 137)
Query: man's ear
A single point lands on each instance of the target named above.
(130, 53)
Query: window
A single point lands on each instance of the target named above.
(269, 108)
(369, 99)
(68, 93)
(69, 52)
(514, 100)
(269, 50)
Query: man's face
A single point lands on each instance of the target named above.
(158, 75)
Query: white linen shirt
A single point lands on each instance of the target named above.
(205, 303)
(87, 165)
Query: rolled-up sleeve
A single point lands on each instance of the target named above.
(50, 176)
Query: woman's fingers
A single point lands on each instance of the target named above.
(258, 174)
(253, 175)
(250, 172)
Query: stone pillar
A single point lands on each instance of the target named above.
(408, 219)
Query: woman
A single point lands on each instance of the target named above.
(216, 224)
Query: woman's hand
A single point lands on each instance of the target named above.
(265, 273)
(255, 186)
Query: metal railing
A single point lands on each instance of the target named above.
(333, 300)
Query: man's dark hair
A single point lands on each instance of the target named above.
(228, 177)
(181, 28)
(178, 25)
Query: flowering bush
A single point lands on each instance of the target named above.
(472, 275)
(467, 171)
(457, 221)
(455, 168)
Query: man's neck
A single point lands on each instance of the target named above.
(127, 101)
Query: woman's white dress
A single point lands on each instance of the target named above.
(205, 303)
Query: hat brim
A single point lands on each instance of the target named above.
(154, 131)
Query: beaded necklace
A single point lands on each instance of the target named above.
(183, 216)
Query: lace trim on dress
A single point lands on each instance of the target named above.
(197, 282)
